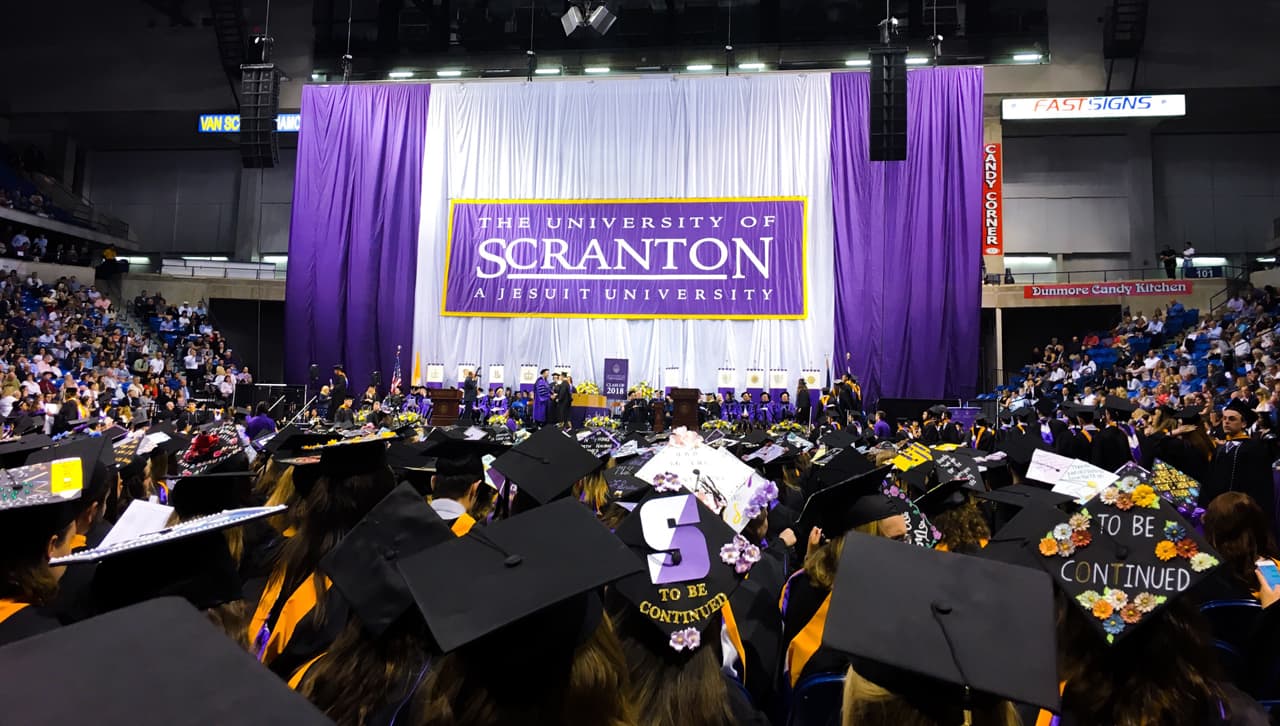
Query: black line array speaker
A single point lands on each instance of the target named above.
(259, 104)
(887, 140)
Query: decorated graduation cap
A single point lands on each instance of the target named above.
(39, 499)
(959, 466)
(291, 439)
(1124, 557)
(363, 566)
(472, 586)
(957, 635)
(210, 449)
(944, 497)
(1177, 488)
(851, 503)
(356, 456)
(692, 561)
(95, 456)
(160, 662)
(546, 465)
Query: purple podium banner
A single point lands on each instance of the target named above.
(627, 258)
(615, 378)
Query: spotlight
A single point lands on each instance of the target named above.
(696, 67)
(581, 16)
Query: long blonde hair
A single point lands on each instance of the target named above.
(868, 704)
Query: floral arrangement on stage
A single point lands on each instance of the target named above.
(362, 416)
(587, 387)
(645, 390)
(782, 428)
(497, 419)
(717, 424)
(601, 422)
(408, 418)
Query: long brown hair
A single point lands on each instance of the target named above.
(867, 704)
(1165, 672)
(25, 574)
(333, 506)
(1239, 530)
(359, 674)
(1199, 440)
(524, 674)
(820, 564)
(667, 690)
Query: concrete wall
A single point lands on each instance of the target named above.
(176, 289)
(48, 272)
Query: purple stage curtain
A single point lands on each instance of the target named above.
(353, 240)
(907, 239)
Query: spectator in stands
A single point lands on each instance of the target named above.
(1188, 260)
(20, 243)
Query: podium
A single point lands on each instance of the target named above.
(684, 407)
(659, 415)
(446, 403)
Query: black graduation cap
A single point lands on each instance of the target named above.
(160, 662)
(844, 465)
(1025, 413)
(340, 460)
(1020, 447)
(920, 476)
(958, 633)
(546, 465)
(856, 501)
(210, 449)
(14, 452)
(1189, 416)
(293, 438)
(1077, 410)
(693, 564)
(838, 440)
(1025, 495)
(1005, 414)
(496, 575)
(459, 456)
(937, 409)
(198, 567)
(363, 565)
(1119, 566)
(1242, 408)
(202, 494)
(1120, 406)
(944, 497)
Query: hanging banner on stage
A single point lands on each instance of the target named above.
(561, 369)
(630, 258)
(726, 380)
(528, 376)
(755, 381)
(777, 380)
(435, 375)
(670, 378)
(615, 378)
(496, 374)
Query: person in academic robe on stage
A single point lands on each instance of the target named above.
(746, 409)
(766, 412)
(541, 398)
(636, 414)
(564, 401)
(553, 400)
(323, 402)
(804, 405)
(713, 406)
(785, 411)
(1117, 443)
(338, 388)
(498, 402)
(370, 395)
(345, 415)
(470, 392)
(1240, 463)
(930, 436)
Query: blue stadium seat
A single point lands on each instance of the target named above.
(816, 700)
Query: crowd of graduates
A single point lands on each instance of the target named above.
(826, 575)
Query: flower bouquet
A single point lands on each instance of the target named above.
(601, 422)
(588, 387)
(645, 390)
(717, 424)
(782, 428)
(497, 419)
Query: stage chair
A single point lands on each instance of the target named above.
(816, 700)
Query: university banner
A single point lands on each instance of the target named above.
(615, 378)
(631, 258)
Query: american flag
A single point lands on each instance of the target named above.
(395, 373)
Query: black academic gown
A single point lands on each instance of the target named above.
(984, 440)
(1111, 448)
(1063, 442)
(337, 392)
(951, 433)
(930, 435)
(28, 621)
(1242, 466)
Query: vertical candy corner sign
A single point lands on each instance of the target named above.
(627, 258)
(992, 200)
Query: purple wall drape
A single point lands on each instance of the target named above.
(353, 239)
(907, 239)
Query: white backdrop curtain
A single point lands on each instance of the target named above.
(743, 136)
